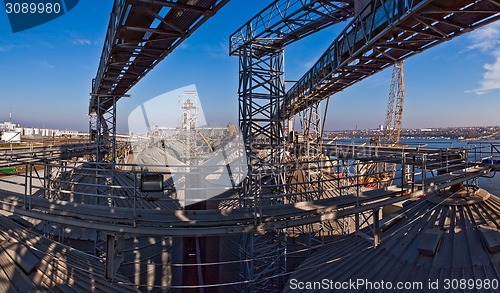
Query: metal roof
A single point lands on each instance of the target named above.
(444, 236)
(30, 262)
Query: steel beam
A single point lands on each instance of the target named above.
(261, 91)
(137, 44)
(285, 21)
(89, 218)
(260, 47)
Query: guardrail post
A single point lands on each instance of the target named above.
(466, 160)
(30, 186)
(26, 184)
(475, 152)
(491, 153)
(447, 161)
(376, 227)
(45, 166)
(135, 199)
(403, 173)
(338, 169)
(114, 255)
(424, 170)
(48, 175)
(413, 176)
(356, 216)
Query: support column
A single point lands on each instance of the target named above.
(114, 254)
(105, 129)
(376, 227)
(261, 91)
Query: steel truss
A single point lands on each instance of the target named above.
(141, 33)
(260, 46)
(261, 91)
(305, 181)
(383, 33)
(309, 155)
(264, 261)
(394, 117)
(285, 21)
(103, 131)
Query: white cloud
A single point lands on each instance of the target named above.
(9, 47)
(487, 40)
(79, 39)
(491, 77)
(46, 64)
(217, 51)
(81, 42)
(6, 48)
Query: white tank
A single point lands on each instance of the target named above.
(11, 136)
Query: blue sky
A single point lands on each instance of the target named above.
(47, 73)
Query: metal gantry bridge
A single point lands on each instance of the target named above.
(294, 186)
(282, 23)
(381, 34)
(141, 33)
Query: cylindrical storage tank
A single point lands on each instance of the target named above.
(439, 240)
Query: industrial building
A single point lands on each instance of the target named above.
(13, 130)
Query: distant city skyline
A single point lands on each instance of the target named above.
(48, 72)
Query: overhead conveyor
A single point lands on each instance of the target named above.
(381, 34)
(285, 21)
(140, 34)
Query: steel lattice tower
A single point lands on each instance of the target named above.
(394, 118)
(261, 91)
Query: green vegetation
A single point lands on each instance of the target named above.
(14, 145)
(9, 170)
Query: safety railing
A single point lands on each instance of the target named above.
(120, 184)
(484, 153)
(341, 170)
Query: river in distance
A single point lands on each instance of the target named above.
(492, 184)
